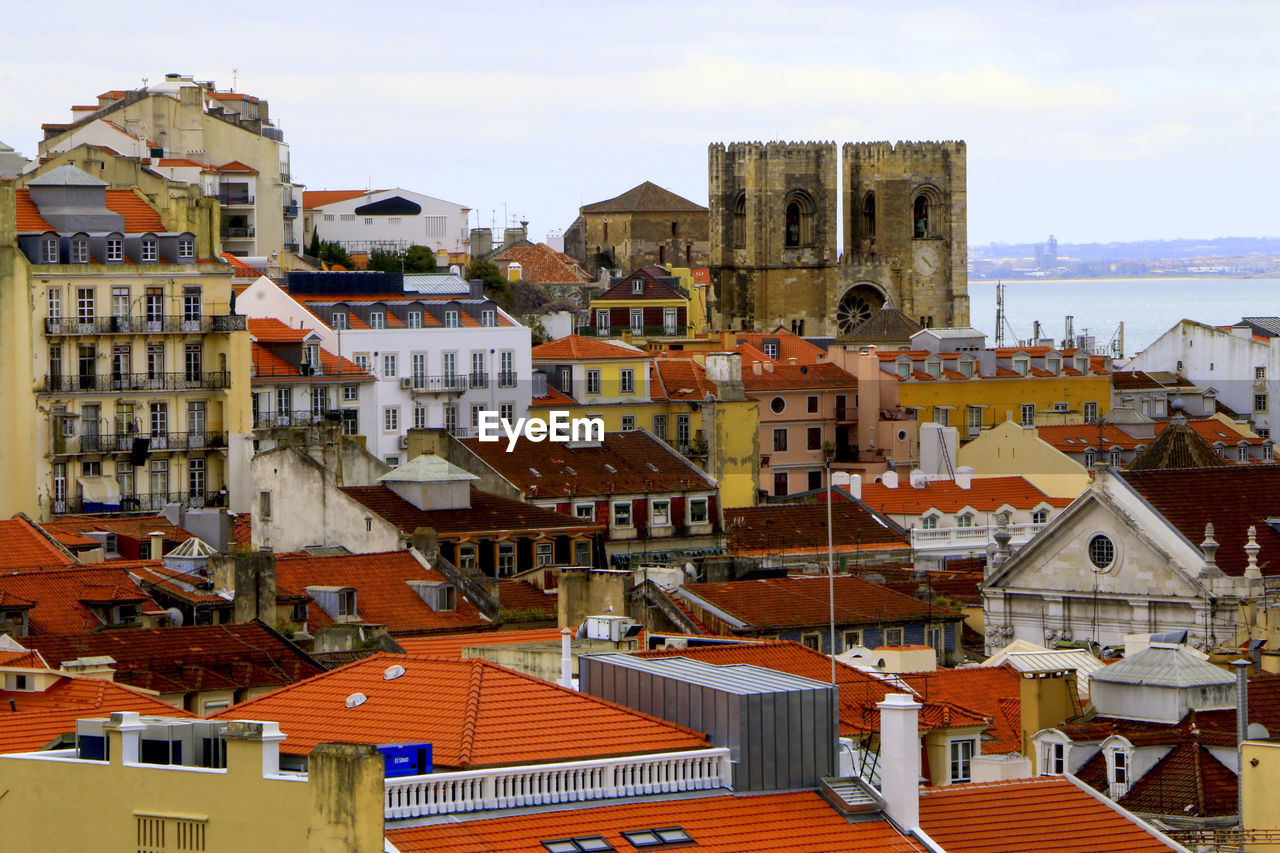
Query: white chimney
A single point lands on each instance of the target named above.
(890, 479)
(566, 659)
(157, 544)
(900, 759)
(964, 476)
(855, 485)
(918, 479)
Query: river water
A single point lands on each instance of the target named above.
(1148, 307)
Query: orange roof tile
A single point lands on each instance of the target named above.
(28, 215)
(239, 268)
(242, 528)
(383, 595)
(237, 166)
(679, 379)
(23, 659)
(579, 348)
(476, 714)
(985, 494)
(795, 377)
(798, 822)
(1030, 815)
(993, 691)
(60, 596)
(136, 527)
(799, 528)
(553, 397)
(790, 345)
(312, 199)
(270, 368)
(450, 646)
(178, 162)
(271, 330)
(23, 544)
(139, 216)
(488, 514)
(42, 717)
(541, 264)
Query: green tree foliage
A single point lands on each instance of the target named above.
(415, 259)
(313, 248)
(495, 286)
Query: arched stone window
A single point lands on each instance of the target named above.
(798, 221)
(926, 212)
(920, 216)
(740, 221)
(869, 215)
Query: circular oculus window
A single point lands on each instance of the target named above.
(1102, 551)
(777, 404)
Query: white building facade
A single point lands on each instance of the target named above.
(385, 219)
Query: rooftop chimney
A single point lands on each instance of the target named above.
(964, 476)
(900, 759)
(855, 485)
(157, 544)
(890, 479)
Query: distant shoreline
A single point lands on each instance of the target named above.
(1125, 278)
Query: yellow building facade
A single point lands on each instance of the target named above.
(125, 368)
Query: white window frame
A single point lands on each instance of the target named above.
(705, 503)
(962, 751)
(621, 515)
(627, 380)
(390, 418)
(660, 512)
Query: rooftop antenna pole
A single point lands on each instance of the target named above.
(999, 314)
(831, 578)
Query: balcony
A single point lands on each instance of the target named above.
(83, 384)
(479, 380)
(106, 443)
(148, 502)
(639, 332)
(272, 420)
(237, 233)
(291, 210)
(562, 782)
(449, 383)
(963, 539)
(507, 379)
(235, 200)
(147, 325)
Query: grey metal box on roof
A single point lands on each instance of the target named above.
(782, 730)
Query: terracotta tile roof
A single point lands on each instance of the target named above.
(488, 514)
(541, 264)
(475, 713)
(237, 166)
(450, 646)
(651, 289)
(888, 325)
(29, 219)
(133, 527)
(985, 494)
(796, 377)
(645, 198)
(239, 268)
(242, 528)
(640, 463)
(271, 330)
(859, 692)
(1177, 447)
(993, 691)
(1030, 816)
(198, 657)
(44, 716)
(61, 595)
(790, 345)
(1125, 380)
(1213, 431)
(23, 659)
(23, 544)
(799, 528)
(383, 595)
(525, 597)
(798, 602)
(269, 368)
(674, 378)
(579, 348)
(170, 584)
(1233, 498)
(139, 216)
(312, 199)
(798, 822)
(553, 397)
(1076, 438)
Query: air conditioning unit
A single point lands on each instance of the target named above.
(406, 383)
(404, 442)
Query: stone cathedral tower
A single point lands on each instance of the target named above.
(774, 257)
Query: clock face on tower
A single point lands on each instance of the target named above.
(926, 260)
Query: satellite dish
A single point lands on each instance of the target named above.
(175, 616)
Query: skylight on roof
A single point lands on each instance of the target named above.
(581, 844)
(652, 467)
(569, 469)
(355, 700)
(610, 468)
(644, 838)
(534, 471)
(393, 672)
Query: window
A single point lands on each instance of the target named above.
(150, 250)
(593, 381)
(488, 317)
(1102, 552)
(740, 221)
(1259, 402)
(973, 415)
(961, 755)
(339, 320)
(55, 303)
(49, 250)
(697, 510)
(1090, 456)
(812, 640)
(1242, 453)
(195, 477)
(622, 514)
(507, 412)
(159, 421)
(920, 216)
(193, 362)
(682, 430)
(506, 558)
(377, 320)
(390, 418)
(392, 462)
(852, 638)
(637, 319)
(542, 554)
(812, 404)
(84, 304)
(466, 556)
(815, 480)
(419, 416)
(1054, 759)
(797, 221)
(475, 418)
(186, 248)
(1028, 415)
(506, 369)
(389, 365)
(1090, 412)
(451, 419)
(966, 369)
(1054, 365)
(964, 519)
(393, 220)
(1259, 374)
(1040, 516)
(771, 349)
(584, 511)
(777, 405)
(659, 428)
(892, 636)
(670, 321)
(933, 368)
(637, 285)
(942, 415)
(904, 370)
(328, 217)
(115, 249)
(815, 438)
(413, 319)
(418, 368)
(780, 439)
(1120, 771)
(362, 360)
(350, 393)
(929, 522)
(602, 321)
(347, 217)
(660, 514)
(627, 380)
(780, 483)
(1020, 366)
(479, 375)
(451, 318)
(1114, 458)
(155, 360)
(368, 220)
(628, 423)
(79, 250)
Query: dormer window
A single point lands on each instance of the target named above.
(904, 369)
(1054, 365)
(115, 249)
(1082, 364)
(79, 250)
(771, 349)
(637, 285)
(150, 250)
(1021, 366)
(347, 603)
(934, 369)
(964, 519)
(414, 319)
(377, 320)
(488, 317)
(49, 249)
(451, 319)
(186, 248)
(966, 369)
(313, 355)
(339, 320)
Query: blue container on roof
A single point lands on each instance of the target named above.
(406, 759)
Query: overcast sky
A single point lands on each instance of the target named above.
(1093, 121)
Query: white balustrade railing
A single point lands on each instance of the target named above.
(565, 782)
(947, 537)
